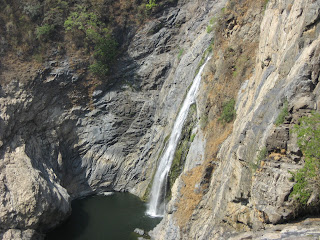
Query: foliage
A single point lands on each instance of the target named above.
(52, 20)
(56, 13)
(95, 34)
(282, 115)
(228, 111)
(261, 155)
(192, 137)
(151, 4)
(87, 23)
(99, 69)
(235, 72)
(308, 178)
(265, 4)
(178, 163)
(44, 32)
(209, 28)
(211, 23)
(104, 53)
(32, 10)
(180, 53)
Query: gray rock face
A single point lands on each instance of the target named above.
(54, 146)
(307, 229)
(239, 197)
(12, 234)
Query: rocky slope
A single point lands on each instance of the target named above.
(57, 142)
(242, 194)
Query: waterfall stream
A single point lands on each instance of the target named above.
(158, 191)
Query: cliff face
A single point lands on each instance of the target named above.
(63, 136)
(58, 142)
(244, 191)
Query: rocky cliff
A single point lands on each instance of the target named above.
(239, 188)
(64, 135)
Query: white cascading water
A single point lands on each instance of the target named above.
(158, 190)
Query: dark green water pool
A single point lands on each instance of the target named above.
(111, 217)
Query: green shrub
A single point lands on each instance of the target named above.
(104, 53)
(211, 23)
(282, 115)
(209, 28)
(213, 20)
(86, 23)
(308, 178)
(265, 4)
(192, 137)
(151, 4)
(235, 72)
(228, 111)
(180, 53)
(43, 32)
(261, 155)
(96, 36)
(99, 69)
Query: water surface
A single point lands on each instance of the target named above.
(105, 218)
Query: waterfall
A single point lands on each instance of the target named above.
(158, 191)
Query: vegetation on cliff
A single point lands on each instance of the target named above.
(308, 178)
(37, 30)
(283, 114)
(88, 30)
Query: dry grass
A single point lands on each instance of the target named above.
(233, 62)
(216, 137)
(15, 69)
(189, 199)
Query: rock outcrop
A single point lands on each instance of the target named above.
(61, 139)
(248, 192)
(58, 143)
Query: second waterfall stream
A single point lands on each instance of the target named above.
(158, 191)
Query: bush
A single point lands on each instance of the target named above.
(104, 53)
(151, 4)
(261, 155)
(87, 24)
(99, 69)
(282, 115)
(192, 137)
(209, 28)
(308, 178)
(44, 32)
(180, 53)
(97, 36)
(228, 111)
